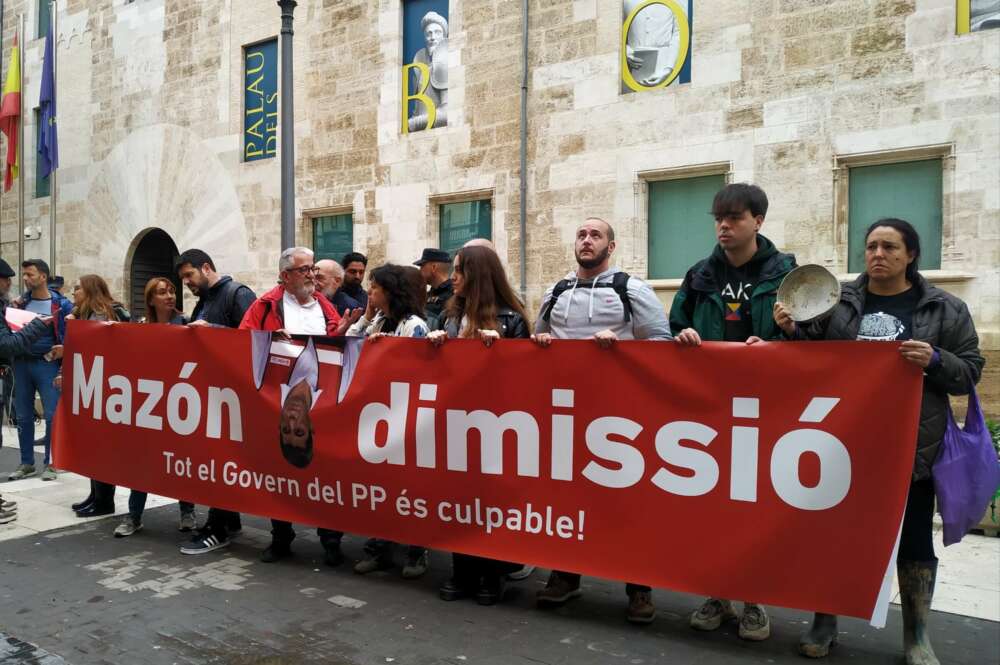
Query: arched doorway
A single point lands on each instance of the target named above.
(154, 256)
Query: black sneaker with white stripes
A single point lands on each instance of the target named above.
(205, 544)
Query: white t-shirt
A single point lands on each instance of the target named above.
(303, 319)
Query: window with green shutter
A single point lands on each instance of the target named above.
(461, 222)
(44, 18)
(41, 181)
(681, 229)
(333, 236)
(906, 190)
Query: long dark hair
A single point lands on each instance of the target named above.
(485, 290)
(404, 289)
(910, 238)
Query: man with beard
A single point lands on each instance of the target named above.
(729, 297)
(329, 279)
(292, 308)
(603, 303)
(221, 302)
(355, 264)
(435, 265)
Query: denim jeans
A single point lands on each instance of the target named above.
(31, 375)
(137, 504)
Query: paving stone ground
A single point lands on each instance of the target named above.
(76, 595)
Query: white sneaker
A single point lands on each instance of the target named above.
(127, 528)
(754, 624)
(187, 522)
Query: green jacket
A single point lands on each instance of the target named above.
(699, 305)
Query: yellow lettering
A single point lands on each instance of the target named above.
(251, 150)
(272, 98)
(253, 131)
(271, 146)
(250, 56)
(425, 80)
(253, 87)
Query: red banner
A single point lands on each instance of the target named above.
(775, 473)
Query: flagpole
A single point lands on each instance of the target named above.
(55, 102)
(20, 147)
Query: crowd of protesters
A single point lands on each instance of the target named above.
(729, 296)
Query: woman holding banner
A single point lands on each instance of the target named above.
(92, 301)
(892, 301)
(161, 307)
(483, 307)
(395, 309)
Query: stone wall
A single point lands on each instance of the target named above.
(151, 109)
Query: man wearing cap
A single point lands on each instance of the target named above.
(434, 266)
(14, 344)
(33, 372)
(729, 297)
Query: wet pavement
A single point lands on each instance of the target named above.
(84, 597)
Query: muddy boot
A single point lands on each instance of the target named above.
(821, 637)
(916, 589)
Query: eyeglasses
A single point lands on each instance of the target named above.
(303, 270)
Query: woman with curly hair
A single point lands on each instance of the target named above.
(395, 309)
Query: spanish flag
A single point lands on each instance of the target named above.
(10, 115)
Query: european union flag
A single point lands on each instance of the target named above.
(48, 142)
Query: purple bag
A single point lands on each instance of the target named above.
(966, 473)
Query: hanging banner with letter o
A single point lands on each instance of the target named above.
(647, 462)
(655, 44)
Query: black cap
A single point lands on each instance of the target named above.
(57, 282)
(6, 270)
(432, 255)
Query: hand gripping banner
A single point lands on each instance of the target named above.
(776, 473)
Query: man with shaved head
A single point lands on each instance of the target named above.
(605, 304)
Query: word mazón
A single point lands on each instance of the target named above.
(124, 404)
(615, 463)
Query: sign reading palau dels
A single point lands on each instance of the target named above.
(655, 44)
(260, 101)
(425, 65)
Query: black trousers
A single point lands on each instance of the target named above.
(221, 523)
(916, 542)
(283, 533)
(629, 587)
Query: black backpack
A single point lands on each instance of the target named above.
(619, 283)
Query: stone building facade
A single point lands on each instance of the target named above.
(790, 94)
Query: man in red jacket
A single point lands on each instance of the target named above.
(292, 308)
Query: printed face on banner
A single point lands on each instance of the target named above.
(655, 44)
(260, 101)
(425, 65)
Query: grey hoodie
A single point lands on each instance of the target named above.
(580, 313)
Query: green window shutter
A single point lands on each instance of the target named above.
(44, 19)
(910, 191)
(333, 236)
(41, 181)
(681, 229)
(461, 222)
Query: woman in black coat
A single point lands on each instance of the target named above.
(484, 307)
(891, 301)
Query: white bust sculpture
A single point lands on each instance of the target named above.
(435, 56)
